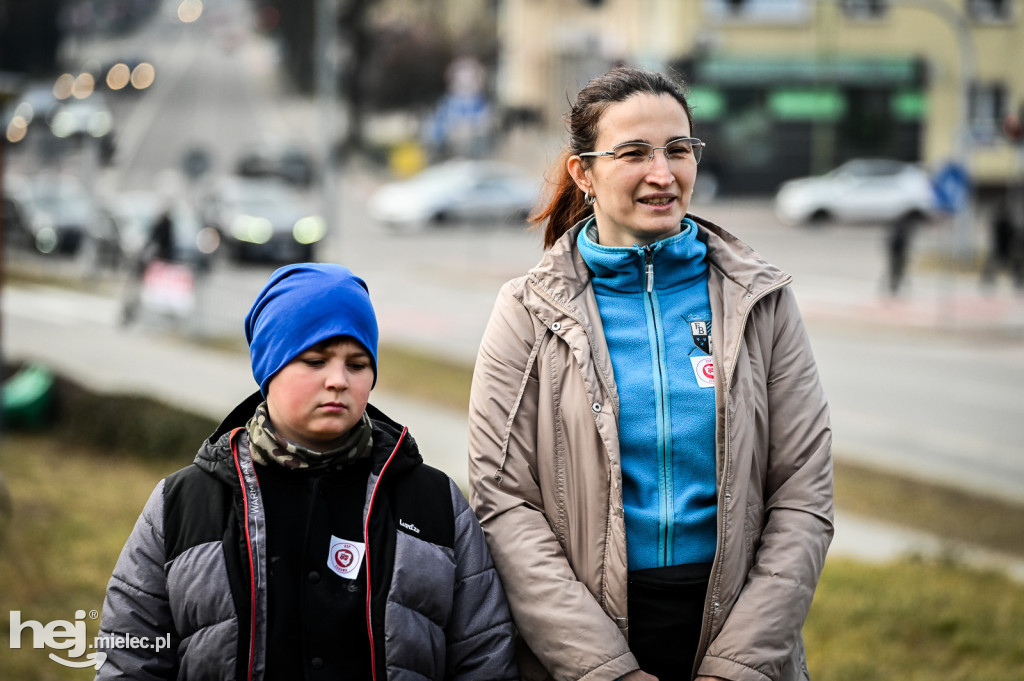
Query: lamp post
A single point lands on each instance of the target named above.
(327, 68)
(7, 91)
(962, 142)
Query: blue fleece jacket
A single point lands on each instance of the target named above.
(657, 321)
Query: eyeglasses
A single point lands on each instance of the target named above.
(636, 153)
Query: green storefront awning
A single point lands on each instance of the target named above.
(811, 105)
(707, 103)
(877, 72)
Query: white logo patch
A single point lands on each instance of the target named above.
(704, 371)
(345, 557)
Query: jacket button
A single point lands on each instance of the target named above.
(556, 326)
(596, 406)
(313, 577)
(316, 663)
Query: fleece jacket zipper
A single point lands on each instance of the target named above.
(652, 310)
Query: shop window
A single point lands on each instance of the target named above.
(864, 9)
(986, 11)
(760, 11)
(988, 106)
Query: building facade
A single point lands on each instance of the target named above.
(783, 88)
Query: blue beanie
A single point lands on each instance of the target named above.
(302, 305)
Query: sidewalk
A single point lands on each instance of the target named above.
(210, 382)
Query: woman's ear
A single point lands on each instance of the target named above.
(578, 173)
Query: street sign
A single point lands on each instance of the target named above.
(952, 187)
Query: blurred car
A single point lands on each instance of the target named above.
(263, 219)
(859, 191)
(88, 118)
(32, 108)
(459, 190)
(55, 213)
(285, 161)
(137, 212)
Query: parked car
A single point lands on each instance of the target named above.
(285, 161)
(55, 213)
(263, 220)
(459, 190)
(31, 109)
(88, 118)
(859, 191)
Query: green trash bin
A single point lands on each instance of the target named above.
(27, 397)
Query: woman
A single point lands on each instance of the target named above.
(649, 441)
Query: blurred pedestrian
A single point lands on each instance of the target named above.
(158, 247)
(1006, 247)
(308, 539)
(899, 235)
(649, 442)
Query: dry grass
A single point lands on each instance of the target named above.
(915, 621)
(943, 511)
(73, 508)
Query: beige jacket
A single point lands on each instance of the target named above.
(546, 482)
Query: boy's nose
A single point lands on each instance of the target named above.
(336, 378)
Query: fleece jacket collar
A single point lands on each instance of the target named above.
(674, 263)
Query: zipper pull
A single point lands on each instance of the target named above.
(649, 267)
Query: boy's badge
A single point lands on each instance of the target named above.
(701, 335)
(704, 371)
(345, 557)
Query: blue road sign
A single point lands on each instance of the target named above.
(952, 186)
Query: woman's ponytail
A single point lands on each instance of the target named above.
(566, 206)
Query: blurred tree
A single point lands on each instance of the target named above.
(29, 35)
(407, 68)
(386, 64)
(357, 42)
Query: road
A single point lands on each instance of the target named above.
(930, 384)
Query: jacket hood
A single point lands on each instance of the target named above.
(215, 457)
(736, 260)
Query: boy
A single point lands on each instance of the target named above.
(308, 539)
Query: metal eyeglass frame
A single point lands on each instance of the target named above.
(695, 143)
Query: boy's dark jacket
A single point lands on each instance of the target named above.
(436, 610)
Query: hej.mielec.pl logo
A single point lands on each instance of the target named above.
(71, 636)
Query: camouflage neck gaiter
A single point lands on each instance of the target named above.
(270, 448)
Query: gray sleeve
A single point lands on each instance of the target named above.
(480, 633)
(137, 606)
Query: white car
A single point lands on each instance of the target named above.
(459, 190)
(859, 191)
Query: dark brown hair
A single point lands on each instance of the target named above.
(566, 206)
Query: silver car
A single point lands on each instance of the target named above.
(459, 190)
(872, 191)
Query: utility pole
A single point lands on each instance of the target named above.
(963, 218)
(6, 93)
(328, 57)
